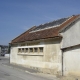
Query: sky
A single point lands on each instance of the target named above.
(17, 16)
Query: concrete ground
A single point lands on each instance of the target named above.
(32, 71)
(5, 62)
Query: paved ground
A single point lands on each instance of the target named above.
(15, 72)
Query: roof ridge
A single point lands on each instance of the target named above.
(69, 21)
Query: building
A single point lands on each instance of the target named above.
(0, 49)
(3, 49)
(52, 47)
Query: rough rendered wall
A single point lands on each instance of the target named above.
(71, 61)
(71, 35)
(13, 55)
(48, 62)
(30, 59)
(53, 57)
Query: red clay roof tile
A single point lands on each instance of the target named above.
(42, 34)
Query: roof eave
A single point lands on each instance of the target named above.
(56, 37)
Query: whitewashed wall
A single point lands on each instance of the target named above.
(71, 35)
(71, 61)
(48, 62)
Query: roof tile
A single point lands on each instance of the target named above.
(42, 33)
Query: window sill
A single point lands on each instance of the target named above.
(30, 54)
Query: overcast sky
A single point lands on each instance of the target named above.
(16, 16)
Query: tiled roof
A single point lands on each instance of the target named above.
(48, 30)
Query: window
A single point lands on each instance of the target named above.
(19, 50)
(35, 49)
(40, 49)
(26, 49)
(31, 50)
(22, 49)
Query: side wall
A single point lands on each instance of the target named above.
(48, 62)
(71, 35)
(71, 60)
(53, 57)
(71, 49)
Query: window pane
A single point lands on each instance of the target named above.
(19, 50)
(26, 49)
(31, 49)
(22, 49)
(41, 49)
(35, 49)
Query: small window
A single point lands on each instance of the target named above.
(41, 49)
(35, 49)
(31, 49)
(22, 49)
(26, 49)
(19, 50)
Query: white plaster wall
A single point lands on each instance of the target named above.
(7, 55)
(13, 55)
(48, 61)
(27, 59)
(53, 59)
(71, 61)
(71, 35)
